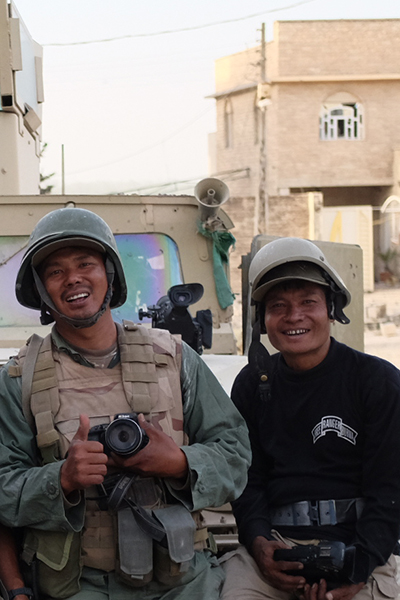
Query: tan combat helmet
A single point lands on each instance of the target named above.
(286, 259)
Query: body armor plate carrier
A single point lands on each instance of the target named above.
(55, 390)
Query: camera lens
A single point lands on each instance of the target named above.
(184, 298)
(181, 298)
(124, 437)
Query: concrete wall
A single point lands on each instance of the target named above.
(289, 216)
(244, 152)
(19, 157)
(237, 70)
(303, 160)
(350, 47)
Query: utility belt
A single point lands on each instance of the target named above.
(317, 513)
(130, 529)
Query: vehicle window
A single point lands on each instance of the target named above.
(12, 314)
(151, 264)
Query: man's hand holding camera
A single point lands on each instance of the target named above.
(327, 567)
(274, 571)
(86, 463)
(318, 591)
(161, 457)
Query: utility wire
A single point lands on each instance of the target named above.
(156, 187)
(168, 32)
(224, 175)
(146, 148)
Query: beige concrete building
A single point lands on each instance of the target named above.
(332, 111)
(320, 130)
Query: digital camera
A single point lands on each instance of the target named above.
(331, 561)
(123, 435)
(171, 312)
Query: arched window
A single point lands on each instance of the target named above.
(341, 117)
(228, 123)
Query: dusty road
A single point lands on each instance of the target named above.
(385, 347)
(383, 339)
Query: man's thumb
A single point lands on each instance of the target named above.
(83, 430)
(146, 425)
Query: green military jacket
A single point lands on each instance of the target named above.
(218, 455)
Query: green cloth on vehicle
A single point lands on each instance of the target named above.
(222, 241)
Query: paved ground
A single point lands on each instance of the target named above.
(382, 318)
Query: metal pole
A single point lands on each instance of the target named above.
(262, 192)
(263, 55)
(62, 170)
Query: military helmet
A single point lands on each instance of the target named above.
(286, 259)
(66, 227)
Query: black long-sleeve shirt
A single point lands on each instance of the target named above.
(332, 432)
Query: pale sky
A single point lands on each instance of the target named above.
(133, 112)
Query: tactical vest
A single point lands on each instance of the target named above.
(147, 380)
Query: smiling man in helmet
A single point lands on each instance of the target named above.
(110, 507)
(324, 421)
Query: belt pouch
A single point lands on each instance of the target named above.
(171, 563)
(135, 549)
(58, 558)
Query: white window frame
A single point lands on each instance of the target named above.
(341, 121)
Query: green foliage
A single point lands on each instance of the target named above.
(388, 257)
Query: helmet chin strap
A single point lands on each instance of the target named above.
(260, 360)
(337, 302)
(47, 304)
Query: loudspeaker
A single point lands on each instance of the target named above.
(210, 193)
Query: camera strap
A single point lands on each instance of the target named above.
(118, 499)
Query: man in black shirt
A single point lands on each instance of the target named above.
(324, 423)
